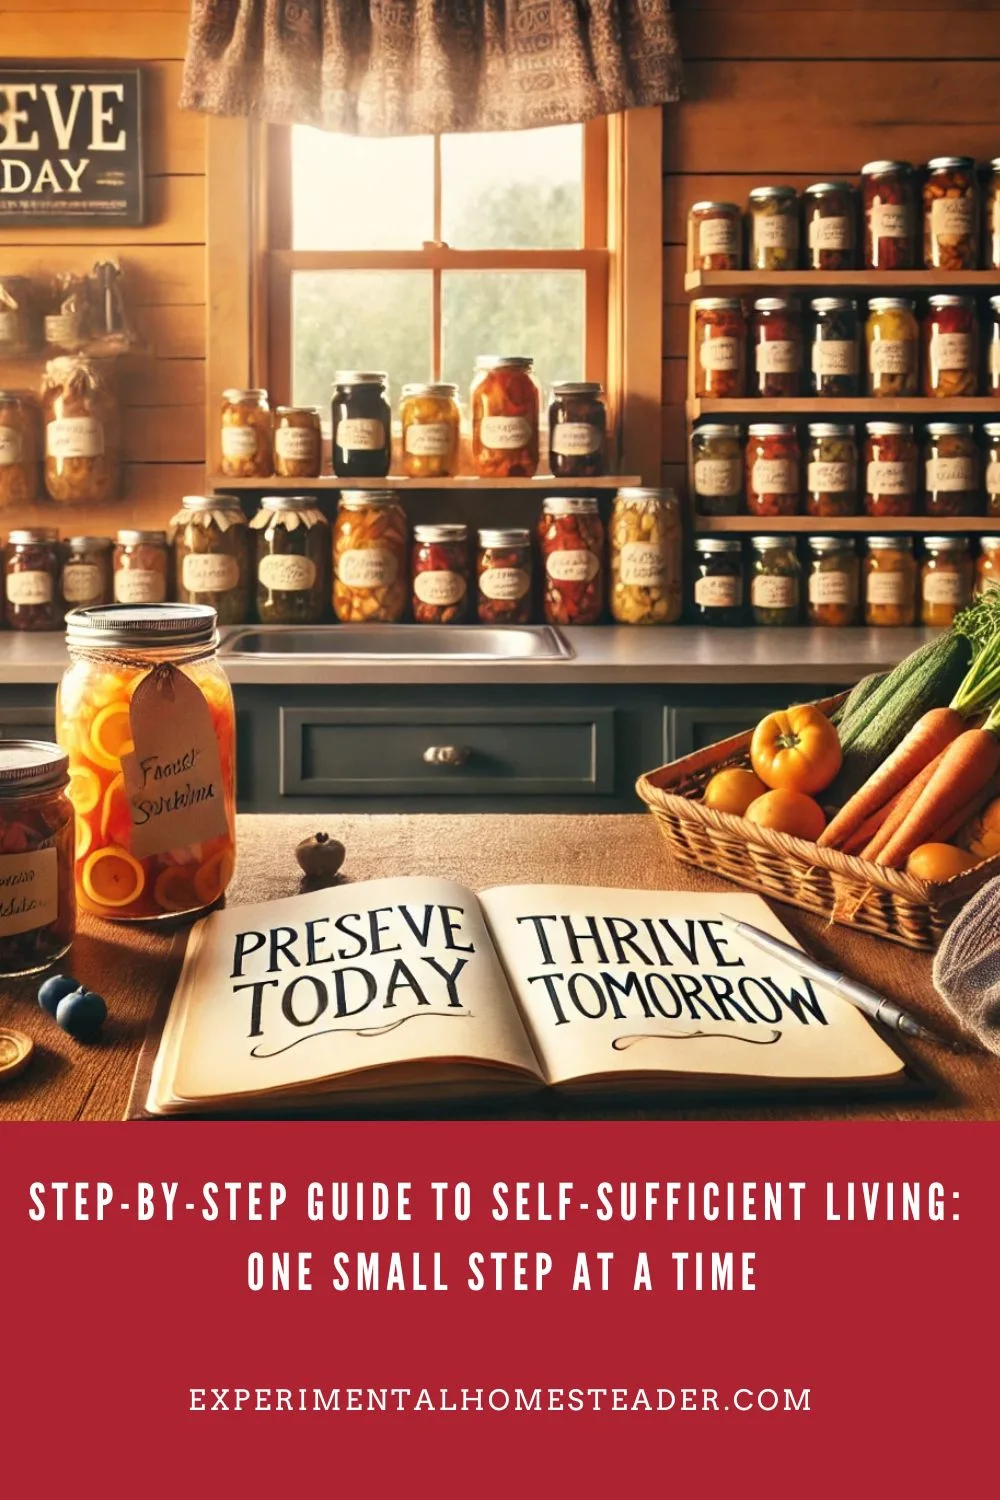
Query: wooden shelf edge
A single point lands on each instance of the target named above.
(698, 281)
(546, 483)
(766, 408)
(823, 525)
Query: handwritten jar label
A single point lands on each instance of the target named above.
(509, 433)
(835, 357)
(642, 564)
(826, 477)
(951, 474)
(286, 572)
(366, 434)
(718, 237)
(832, 232)
(11, 446)
(944, 588)
(777, 357)
(951, 351)
(74, 437)
(209, 573)
(889, 477)
(575, 439)
(367, 568)
(10, 327)
(80, 582)
(952, 216)
(887, 588)
(504, 583)
(775, 231)
(993, 477)
(296, 444)
(995, 354)
(719, 354)
(892, 356)
(239, 442)
(717, 476)
(29, 588)
(428, 439)
(140, 586)
(718, 591)
(774, 592)
(29, 891)
(890, 221)
(571, 566)
(773, 476)
(439, 586)
(831, 588)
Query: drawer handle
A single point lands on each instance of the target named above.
(447, 755)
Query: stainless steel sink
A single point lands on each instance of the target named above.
(396, 643)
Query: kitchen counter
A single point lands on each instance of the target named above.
(134, 966)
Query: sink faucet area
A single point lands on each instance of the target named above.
(397, 643)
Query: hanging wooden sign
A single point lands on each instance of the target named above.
(70, 145)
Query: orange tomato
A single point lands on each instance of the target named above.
(733, 790)
(796, 750)
(985, 831)
(939, 862)
(788, 812)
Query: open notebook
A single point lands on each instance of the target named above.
(417, 990)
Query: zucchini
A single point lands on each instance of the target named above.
(855, 698)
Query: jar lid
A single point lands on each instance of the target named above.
(31, 766)
(992, 429)
(569, 505)
(718, 544)
(636, 494)
(717, 304)
(504, 361)
(288, 502)
(362, 499)
(995, 301)
(821, 544)
(759, 194)
(942, 163)
(31, 537)
(889, 429)
(901, 543)
(765, 543)
(510, 536)
(717, 429)
(777, 304)
(831, 429)
(89, 542)
(875, 168)
(210, 502)
(578, 388)
(141, 625)
(958, 543)
(883, 304)
(131, 538)
(771, 429)
(817, 189)
(833, 304)
(452, 532)
(990, 543)
(943, 429)
(252, 393)
(289, 411)
(444, 389)
(950, 299)
(711, 205)
(360, 377)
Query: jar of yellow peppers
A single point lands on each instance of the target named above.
(645, 555)
(430, 420)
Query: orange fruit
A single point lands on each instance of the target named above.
(111, 877)
(985, 840)
(213, 876)
(173, 890)
(732, 791)
(110, 736)
(788, 812)
(116, 817)
(84, 789)
(939, 862)
(84, 838)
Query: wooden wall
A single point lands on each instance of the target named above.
(163, 392)
(787, 91)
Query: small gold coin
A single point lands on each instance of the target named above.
(15, 1052)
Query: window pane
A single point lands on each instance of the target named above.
(351, 193)
(513, 312)
(515, 189)
(368, 320)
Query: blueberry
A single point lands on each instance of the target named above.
(54, 989)
(82, 1014)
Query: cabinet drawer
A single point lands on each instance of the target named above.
(387, 752)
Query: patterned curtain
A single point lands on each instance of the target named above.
(410, 67)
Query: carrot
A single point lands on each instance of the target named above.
(974, 805)
(870, 826)
(966, 766)
(907, 799)
(931, 733)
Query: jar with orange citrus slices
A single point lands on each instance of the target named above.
(145, 714)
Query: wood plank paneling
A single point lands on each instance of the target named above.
(157, 275)
(119, 7)
(863, 7)
(151, 495)
(142, 381)
(134, 34)
(173, 332)
(175, 214)
(827, 33)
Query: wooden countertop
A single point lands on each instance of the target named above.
(132, 966)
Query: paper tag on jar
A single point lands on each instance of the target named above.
(428, 439)
(575, 565)
(719, 354)
(62, 328)
(774, 592)
(890, 221)
(642, 565)
(776, 231)
(717, 476)
(945, 588)
(296, 444)
(367, 568)
(951, 474)
(173, 777)
(835, 357)
(777, 357)
(29, 891)
(718, 237)
(209, 573)
(286, 572)
(439, 586)
(718, 591)
(29, 588)
(80, 582)
(951, 351)
(830, 233)
(885, 477)
(361, 434)
(827, 477)
(995, 351)
(504, 583)
(9, 327)
(831, 588)
(773, 476)
(140, 586)
(11, 446)
(993, 478)
(505, 432)
(575, 439)
(892, 356)
(239, 442)
(74, 437)
(887, 588)
(952, 216)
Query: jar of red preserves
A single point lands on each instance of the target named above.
(952, 484)
(503, 572)
(951, 347)
(37, 894)
(773, 469)
(715, 237)
(777, 346)
(993, 350)
(951, 214)
(889, 207)
(505, 404)
(571, 537)
(440, 568)
(720, 338)
(577, 429)
(829, 211)
(31, 580)
(890, 469)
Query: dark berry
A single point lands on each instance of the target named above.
(54, 989)
(82, 1014)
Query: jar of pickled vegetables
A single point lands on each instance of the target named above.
(991, 219)
(952, 484)
(87, 574)
(988, 565)
(946, 579)
(714, 237)
(774, 229)
(991, 432)
(16, 321)
(145, 714)
(247, 447)
(890, 581)
(773, 469)
(890, 469)
(37, 898)
(889, 204)
(720, 342)
(832, 470)
(645, 555)
(503, 573)
(505, 405)
(951, 347)
(212, 556)
(370, 556)
(717, 469)
(431, 423)
(141, 565)
(440, 569)
(82, 432)
(298, 442)
(777, 346)
(292, 561)
(571, 538)
(830, 211)
(835, 357)
(31, 580)
(892, 336)
(775, 581)
(362, 424)
(578, 425)
(718, 586)
(832, 586)
(992, 352)
(951, 214)
(19, 449)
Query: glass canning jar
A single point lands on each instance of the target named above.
(775, 581)
(988, 565)
(717, 468)
(212, 556)
(946, 579)
(292, 560)
(17, 323)
(82, 424)
(777, 346)
(952, 483)
(890, 581)
(571, 538)
(87, 574)
(714, 237)
(37, 897)
(503, 576)
(951, 214)
(141, 566)
(440, 569)
(774, 229)
(505, 403)
(370, 556)
(298, 442)
(832, 470)
(720, 347)
(835, 356)
(832, 586)
(31, 580)
(991, 219)
(431, 421)
(829, 213)
(578, 424)
(993, 350)
(645, 558)
(991, 433)
(773, 469)
(20, 423)
(951, 346)
(247, 447)
(145, 713)
(362, 424)
(718, 584)
(892, 337)
(890, 469)
(889, 205)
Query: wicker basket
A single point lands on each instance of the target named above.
(838, 886)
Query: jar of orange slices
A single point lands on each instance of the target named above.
(145, 714)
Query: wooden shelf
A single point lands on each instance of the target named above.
(822, 525)
(545, 483)
(874, 281)
(768, 408)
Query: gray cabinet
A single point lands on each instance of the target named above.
(27, 714)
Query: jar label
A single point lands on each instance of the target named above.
(367, 568)
(429, 439)
(718, 591)
(296, 444)
(62, 328)
(995, 351)
(209, 573)
(361, 434)
(29, 588)
(504, 583)
(827, 478)
(831, 588)
(774, 476)
(576, 566)
(777, 357)
(893, 477)
(951, 474)
(719, 354)
(140, 586)
(951, 351)
(576, 439)
(509, 433)
(11, 446)
(173, 776)
(439, 586)
(887, 588)
(952, 216)
(29, 891)
(835, 357)
(239, 442)
(776, 231)
(996, 213)
(771, 591)
(10, 332)
(942, 587)
(643, 565)
(892, 356)
(717, 476)
(74, 437)
(81, 582)
(993, 477)
(718, 236)
(286, 573)
(890, 221)
(831, 232)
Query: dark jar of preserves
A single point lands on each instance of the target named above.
(37, 843)
(362, 424)
(832, 470)
(505, 402)
(952, 484)
(578, 424)
(775, 581)
(889, 206)
(993, 350)
(714, 237)
(830, 212)
(777, 346)
(718, 585)
(951, 347)
(720, 341)
(773, 469)
(717, 469)
(440, 569)
(31, 580)
(212, 556)
(835, 358)
(833, 584)
(298, 442)
(293, 560)
(951, 214)
(571, 537)
(890, 469)
(503, 575)
(141, 565)
(87, 576)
